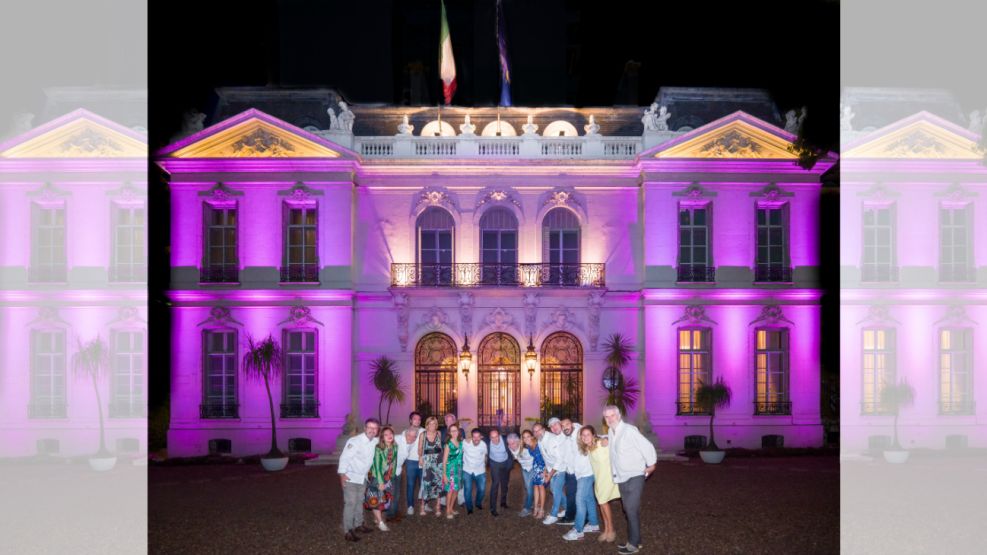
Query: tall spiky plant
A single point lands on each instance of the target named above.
(713, 396)
(893, 398)
(264, 361)
(625, 392)
(388, 383)
(92, 360)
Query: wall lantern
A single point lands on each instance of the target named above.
(531, 357)
(465, 358)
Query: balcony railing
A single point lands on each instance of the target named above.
(219, 273)
(57, 273)
(300, 273)
(772, 407)
(535, 146)
(497, 275)
(296, 409)
(957, 274)
(874, 273)
(219, 410)
(128, 409)
(690, 408)
(767, 274)
(957, 407)
(46, 410)
(874, 408)
(129, 273)
(696, 274)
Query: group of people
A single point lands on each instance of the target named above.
(583, 471)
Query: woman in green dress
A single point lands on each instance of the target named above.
(452, 469)
(380, 479)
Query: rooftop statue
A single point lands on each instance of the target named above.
(405, 128)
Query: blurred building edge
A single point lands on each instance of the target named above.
(913, 269)
(73, 269)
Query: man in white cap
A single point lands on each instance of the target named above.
(632, 460)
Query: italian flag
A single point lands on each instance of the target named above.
(447, 64)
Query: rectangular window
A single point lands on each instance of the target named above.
(694, 244)
(48, 243)
(299, 376)
(435, 256)
(220, 262)
(127, 383)
(694, 368)
(955, 244)
(47, 374)
(129, 247)
(956, 371)
(499, 257)
(771, 388)
(772, 245)
(301, 258)
(878, 368)
(879, 261)
(219, 375)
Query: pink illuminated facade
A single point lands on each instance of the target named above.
(913, 256)
(73, 217)
(700, 245)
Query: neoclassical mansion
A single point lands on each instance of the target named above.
(491, 253)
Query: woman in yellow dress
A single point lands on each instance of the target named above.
(606, 491)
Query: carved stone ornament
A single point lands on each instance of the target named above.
(128, 194)
(595, 305)
(956, 314)
(435, 196)
(220, 316)
(48, 316)
(695, 314)
(732, 144)
(48, 194)
(402, 309)
(695, 192)
(956, 193)
(917, 144)
(530, 313)
(562, 319)
(90, 143)
(771, 314)
(499, 319)
(771, 192)
(562, 196)
(434, 319)
(498, 195)
(300, 193)
(300, 316)
(220, 194)
(262, 143)
(878, 315)
(466, 312)
(128, 316)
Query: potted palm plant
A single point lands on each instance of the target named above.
(622, 391)
(92, 361)
(893, 398)
(712, 396)
(387, 381)
(263, 361)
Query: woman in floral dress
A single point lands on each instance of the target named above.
(537, 472)
(429, 456)
(380, 482)
(452, 464)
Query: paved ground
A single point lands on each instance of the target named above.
(770, 505)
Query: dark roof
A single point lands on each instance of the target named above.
(876, 107)
(127, 107)
(696, 106)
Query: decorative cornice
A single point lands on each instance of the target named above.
(878, 315)
(498, 195)
(48, 316)
(435, 196)
(956, 314)
(299, 315)
(48, 194)
(771, 192)
(771, 314)
(694, 314)
(695, 191)
(300, 193)
(220, 316)
(221, 193)
(128, 316)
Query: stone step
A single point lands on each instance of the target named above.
(323, 460)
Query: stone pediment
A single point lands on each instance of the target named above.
(923, 136)
(737, 136)
(253, 134)
(79, 134)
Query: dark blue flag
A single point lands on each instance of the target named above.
(505, 61)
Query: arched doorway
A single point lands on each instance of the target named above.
(561, 377)
(499, 389)
(435, 376)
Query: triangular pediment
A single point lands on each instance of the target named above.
(252, 134)
(737, 136)
(79, 134)
(923, 136)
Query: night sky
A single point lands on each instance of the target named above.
(563, 52)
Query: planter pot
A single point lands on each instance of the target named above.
(274, 465)
(102, 464)
(896, 456)
(712, 457)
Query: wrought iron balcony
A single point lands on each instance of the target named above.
(874, 408)
(57, 273)
(136, 408)
(879, 273)
(772, 407)
(957, 274)
(764, 273)
(54, 409)
(693, 273)
(219, 410)
(219, 273)
(298, 409)
(497, 275)
(300, 273)
(690, 408)
(957, 407)
(129, 273)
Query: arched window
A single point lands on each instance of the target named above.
(498, 247)
(435, 229)
(435, 376)
(561, 377)
(560, 247)
(499, 388)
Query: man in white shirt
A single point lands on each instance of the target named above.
(523, 457)
(412, 472)
(550, 442)
(474, 470)
(354, 463)
(407, 443)
(568, 451)
(632, 460)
